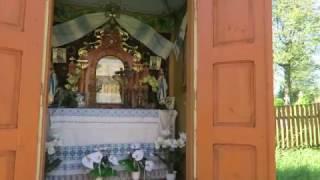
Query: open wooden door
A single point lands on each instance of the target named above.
(22, 27)
(235, 125)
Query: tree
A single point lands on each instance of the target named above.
(296, 30)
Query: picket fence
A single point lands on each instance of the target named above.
(298, 126)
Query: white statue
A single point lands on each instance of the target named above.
(163, 88)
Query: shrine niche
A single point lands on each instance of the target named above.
(109, 77)
(112, 88)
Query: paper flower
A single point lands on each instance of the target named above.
(149, 166)
(138, 155)
(113, 160)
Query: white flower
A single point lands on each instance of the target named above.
(138, 155)
(166, 143)
(174, 144)
(96, 156)
(51, 150)
(160, 140)
(181, 143)
(92, 158)
(87, 162)
(157, 145)
(149, 166)
(113, 160)
(183, 136)
(50, 147)
(135, 146)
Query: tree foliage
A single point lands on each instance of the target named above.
(296, 27)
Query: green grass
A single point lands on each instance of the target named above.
(303, 164)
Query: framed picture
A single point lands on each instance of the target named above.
(59, 55)
(155, 63)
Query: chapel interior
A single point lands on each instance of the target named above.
(117, 80)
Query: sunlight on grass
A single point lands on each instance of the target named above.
(303, 164)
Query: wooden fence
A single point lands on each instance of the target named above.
(298, 126)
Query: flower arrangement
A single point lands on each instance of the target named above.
(100, 165)
(151, 81)
(73, 79)
(136, 162)
(171, 150)
(50, 162)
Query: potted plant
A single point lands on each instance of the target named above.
(171, 151)
(50, 162)
(136, 162)
(100, 166)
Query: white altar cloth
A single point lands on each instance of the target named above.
(81, 131)
(76, 127)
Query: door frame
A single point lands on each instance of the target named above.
(191, 69)
(191, 77)
(42, 131)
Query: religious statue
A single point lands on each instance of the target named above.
(163, 87)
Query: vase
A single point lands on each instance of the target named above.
(171, 176)
(99, 178)
(135, 175)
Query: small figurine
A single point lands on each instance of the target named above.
(163, 87)
(53, 83)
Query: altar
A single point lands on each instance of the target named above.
(111, 89)
(85, 130)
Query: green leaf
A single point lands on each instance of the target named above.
(128, 164)
(103, 172)
(52, 165)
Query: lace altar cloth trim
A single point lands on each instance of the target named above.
(104, 112)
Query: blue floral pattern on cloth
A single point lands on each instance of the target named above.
(66, 153)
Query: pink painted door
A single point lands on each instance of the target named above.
(235, 125)
(21, 47)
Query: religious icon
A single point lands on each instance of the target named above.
(155, 63)
(59, 55)
(107, 82)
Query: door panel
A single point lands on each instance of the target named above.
(235, 125)
(21, 48)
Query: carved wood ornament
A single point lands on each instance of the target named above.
(110, 47)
